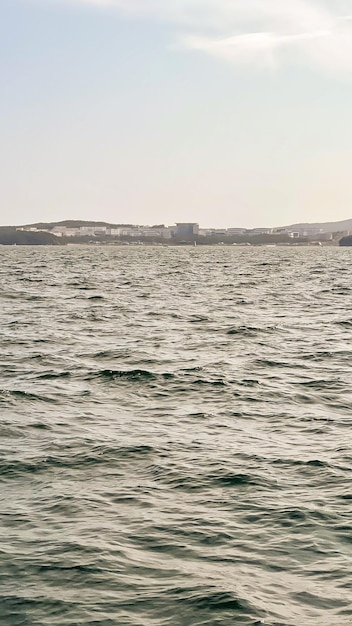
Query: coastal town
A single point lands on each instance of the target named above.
(74, 231)
(180, 230)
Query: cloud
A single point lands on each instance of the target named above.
(265, 33)
(324, 50)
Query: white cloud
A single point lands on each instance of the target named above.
(259, 32)
(326, 50)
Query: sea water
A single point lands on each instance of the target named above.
(175, 436)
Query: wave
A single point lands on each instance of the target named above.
(135, 375)
(72, 459)
(18, 395)
(251, 331)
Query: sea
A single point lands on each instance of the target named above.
(175, 436)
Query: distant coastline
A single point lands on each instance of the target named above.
(185, 233)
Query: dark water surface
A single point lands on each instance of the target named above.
(175, 436)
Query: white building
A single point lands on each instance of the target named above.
(64, 231)
(259, 231)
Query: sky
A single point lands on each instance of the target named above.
(229, 113)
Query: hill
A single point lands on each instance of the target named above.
(74, 224)
(327, 227)
(9, 236)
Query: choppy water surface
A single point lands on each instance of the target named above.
(175, 436)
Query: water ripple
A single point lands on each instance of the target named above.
(175, 428)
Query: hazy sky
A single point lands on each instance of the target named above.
(224, 112)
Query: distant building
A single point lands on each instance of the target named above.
(113, 232)
(217, 232)
(305, 231)
(186, 229)
(236, 231)
(312, 232)
(259, 231)
(64, 231)
(100, 230)
(87, 231)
